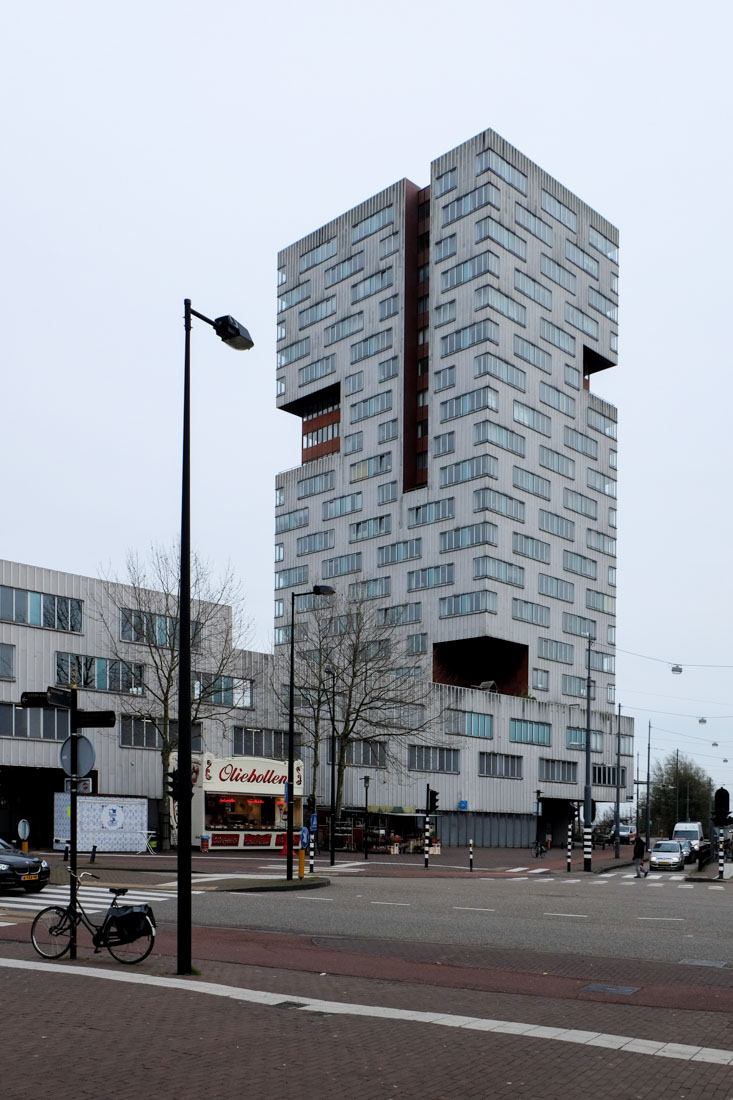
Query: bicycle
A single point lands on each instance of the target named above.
(127, 931)
(538, 849)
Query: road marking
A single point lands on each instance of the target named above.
(685, 887)
(307, 897)
(540, 871)
(580, 916)
(650, 1047)
(520, 878)
(473, 909)
(660, 918)
(514, 870)
(407, 903)
(568, 881)
(716, 887)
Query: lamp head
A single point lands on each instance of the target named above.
(233, 334)
(323, 590)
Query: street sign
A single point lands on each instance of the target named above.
(95, 719)
(34, 699)
(24, 829)
(59, 697)
(314, 822)
(304, 837)
(85, 756)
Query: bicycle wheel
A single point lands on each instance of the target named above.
(51, 932)
(135, 951)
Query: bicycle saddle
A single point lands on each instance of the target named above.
(118, 891)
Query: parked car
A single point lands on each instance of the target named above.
(667, 855)
(626, 834)
(687, 851)
(21, 869)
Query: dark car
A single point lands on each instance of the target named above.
(21, 869)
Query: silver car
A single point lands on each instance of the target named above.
(667, 855)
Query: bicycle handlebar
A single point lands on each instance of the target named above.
(81, 876)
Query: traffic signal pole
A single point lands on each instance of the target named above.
(73, 815)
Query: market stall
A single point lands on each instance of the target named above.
(240, 802)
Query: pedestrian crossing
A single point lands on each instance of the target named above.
(95, 899)
(610, 878)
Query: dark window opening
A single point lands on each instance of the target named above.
(488, 663)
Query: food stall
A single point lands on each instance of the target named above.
(239, 802)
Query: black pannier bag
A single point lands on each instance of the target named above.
(129, 922)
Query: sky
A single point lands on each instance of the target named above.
(165, 149)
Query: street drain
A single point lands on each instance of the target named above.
(600, 987)
(703, 962)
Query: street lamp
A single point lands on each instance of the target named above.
(317, 590)
(236, 336)
(332, 820)
(365, 781)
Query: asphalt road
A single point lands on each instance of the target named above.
(613, 916)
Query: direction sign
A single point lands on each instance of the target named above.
(85, 756)
(95, 719)
(34, 699)
(314, 822)
(304, 837)
(59, 697)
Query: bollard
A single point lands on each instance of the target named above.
(312, 854)
(470, 855)
(66, 852)
(587, 849)
(570, 845)
(427, 842)
(93, 856)
(301, 863)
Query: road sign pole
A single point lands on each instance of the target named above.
(312, 854)
(73, 814)
(470, 855)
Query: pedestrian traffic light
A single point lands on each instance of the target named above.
(433, 801)
(171, 784)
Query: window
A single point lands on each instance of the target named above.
(576, 563)
(540, 679)
(316, 312)
(485, 431)
(444, 379)
(353, 383)
(387, 492)
(572, 376)
(470, 468)
(292, 297)
(555, 587)
(389, 245)
(611, 517)
(579, 442)
(399, 551)
(337, 567)
(611, 634)
(388, 369)
(557, 771)
(321, 435)
(371, 467)
(466, 403)
(563, 402)
(476, 534)
(603, 244)
(344, 270)
(341, 506)
(559, 210)
(530, 733)
(445, 248)
(430, 758)
(578, 502)
(399, 614)
(317, 255)
(532, 354)
(376, 588)
(99, 674)
(469, 723)
(370, 528)
(286, 578)
(371, 406)
(601, 662)
(485, 195)
(367, 226)
(604, 775)
(387, 431)
(581, 259)
(596, 540)
(493, 230)
(556, 525)
(491, 501)
(600, 601)
(580, 320)
(39, 609)
(363, 754)
(498, 765)
(496, 570)
(532, 418)
(486, 263)
(290, 354)
(445, 182)
(444, 444)
(279, 609)
(576, 624)
(7, 661)
(310, 486)
(557, 273)
(530, 548)
(491, 298)
(602, 304)
(535, 225)
(486, 363)
(142, 733)
(602, 483)
(46, 724)
(416, 644)
(445, 313)
(371, 346)
(532, 289)
(557, 336)
(627, 744)
(347, 327)
(433, 512)
(272, 744)
(528, 612)
(353, 443)
(468, 337)
(153, 630)
(532, 483)
(366, 287)
(432, 577)
(551, 650)
(467, 603)
(489, 161)
(560, 463)
(576, 685)
(279, 551)
(282, 276)
(227, 691)
(601, 423)
(575, 739)
(318, 369)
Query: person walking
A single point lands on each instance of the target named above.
(639, 858)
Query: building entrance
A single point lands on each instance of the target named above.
(28, 793)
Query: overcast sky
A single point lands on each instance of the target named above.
(167, 149)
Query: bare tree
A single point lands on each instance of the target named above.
(140, 617)
(352, 653)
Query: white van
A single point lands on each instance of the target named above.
(692, 831)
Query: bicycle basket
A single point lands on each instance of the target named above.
(129, 922)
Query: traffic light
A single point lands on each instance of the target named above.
(311, 803)
(433, 801)
(171, 784)
(722, 807)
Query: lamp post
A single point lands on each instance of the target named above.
(365, 781)
(332, 819)
(617, 810)
(588, 791)
(236, 336)
(317, 590)
(648, 790)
